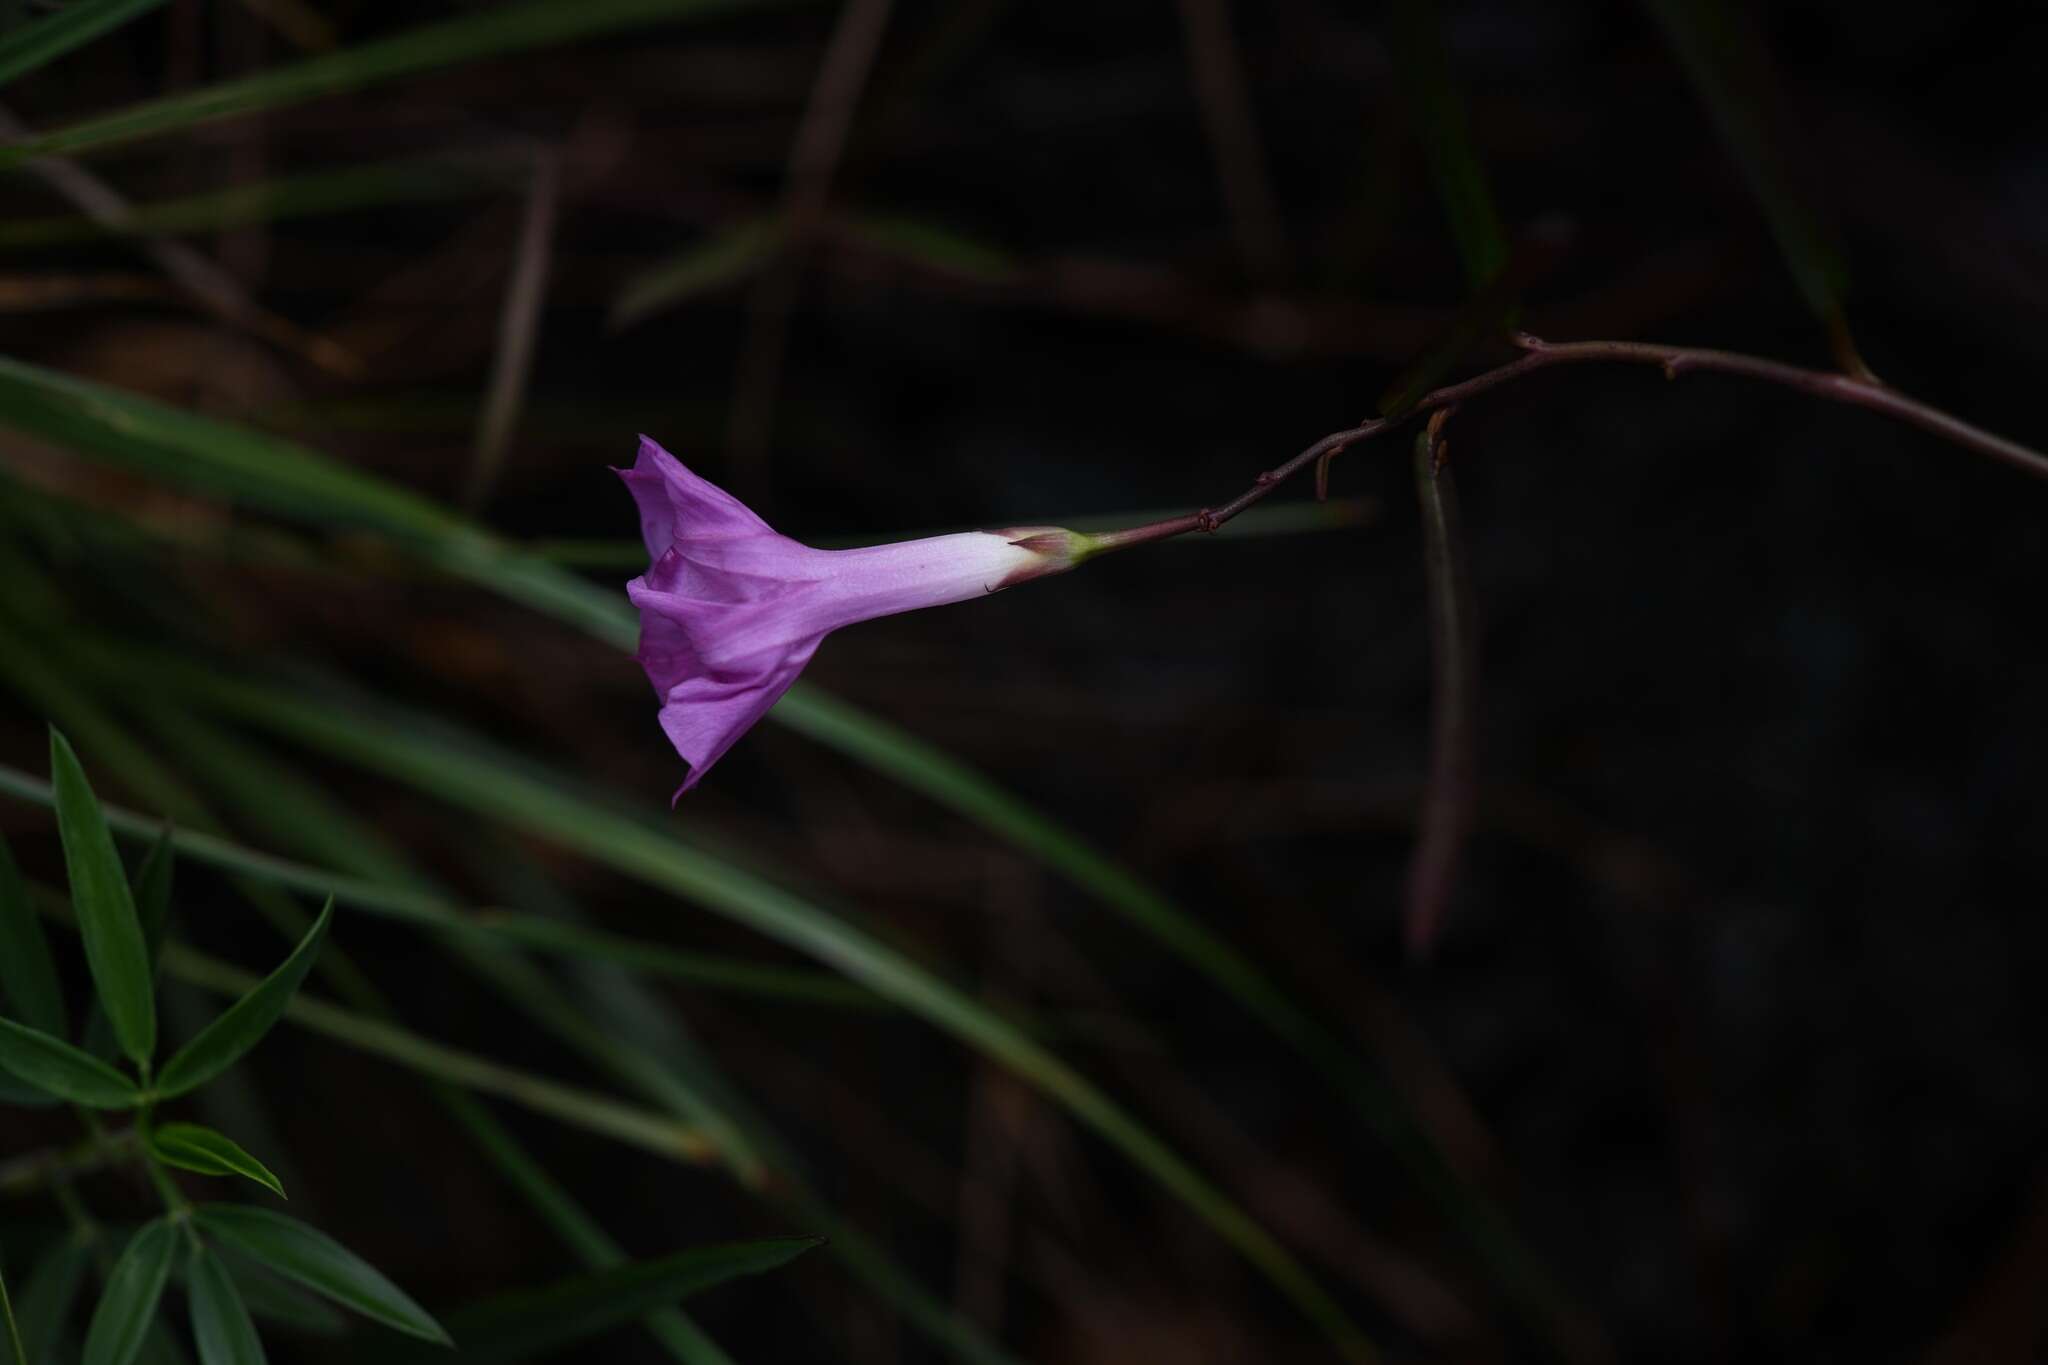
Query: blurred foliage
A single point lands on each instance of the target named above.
(259, 277)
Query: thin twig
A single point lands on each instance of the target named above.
(1673, 360)
(1234, 136)
(1454, 649)
(813, 161)
(518, 325)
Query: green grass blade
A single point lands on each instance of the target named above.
(311, 195)
(17, 1352)
(37, 44)
(29, 984)
(722, 259)
(1438, 111)
(128, 1306)
(519, 1326)
(114, 946)
(1726, 66)
(224, 1042)
(469, 775)
(53, 1065)
(191, 1147)
(496, 32)
(428, 911)
(220, 1320)
(656, 1133)
(311, 1258)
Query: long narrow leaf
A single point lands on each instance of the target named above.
(29, 985)
(192, 1147)
(242, 1025)
(493, 33)
(53, 1065)
(220, 1320)
(78, 23)
(128, 1307)
(518, 1326)
(426, 910)
(311, 1258)
(114, 946)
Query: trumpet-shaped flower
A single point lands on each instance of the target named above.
(730, 611)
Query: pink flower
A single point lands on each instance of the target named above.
(730, 612)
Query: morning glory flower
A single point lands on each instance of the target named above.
(730, 611)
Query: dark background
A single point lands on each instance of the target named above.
(1737, 1006)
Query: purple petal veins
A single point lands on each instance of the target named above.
(730, 611)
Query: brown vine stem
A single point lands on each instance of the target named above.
(1673, 360)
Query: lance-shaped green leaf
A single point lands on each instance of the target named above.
(37, 44)
(153, 910)
(242, 1025)
(220, 1320)
(48, 1297)
(28, 974)
(53, 1065)
(107, 922)
(193, 1147)
(531, 1323)
(21, 1095)
(310, 1257)
(128, 1307)
(153, 896)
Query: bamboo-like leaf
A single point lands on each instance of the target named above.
(193, 1147)
(272, 1300)
(128, 1306)
(153, 895)
(48, 1297)
(530, 1323)
(220, 1321)
(311, 1258)
(114, 945)
(39, 43)
(495, 32)
(53, 1065)
(242, 1025)
(29, 984)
